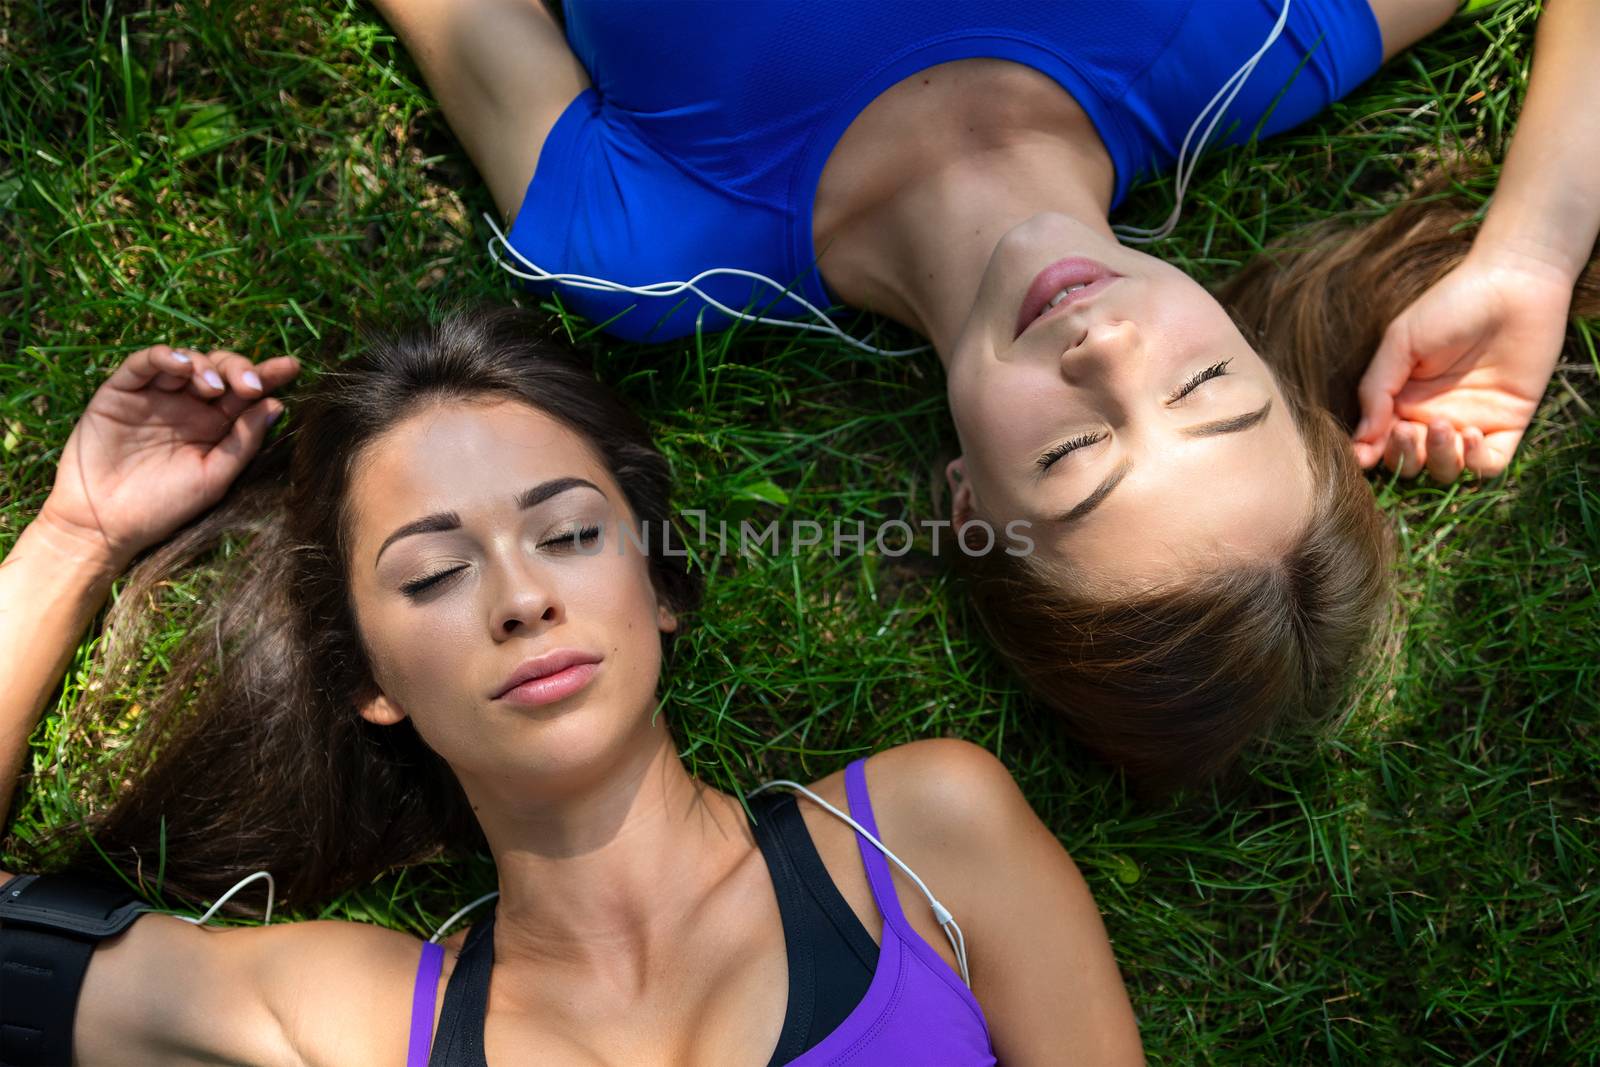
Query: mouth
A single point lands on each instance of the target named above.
(1061, 284)
(550, 677)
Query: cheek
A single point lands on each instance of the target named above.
(1190, 313)
(415, 657)
(1022, 415)
(631, 627)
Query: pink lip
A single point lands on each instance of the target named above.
(1057, 276)
(549, 677)
(552, 687)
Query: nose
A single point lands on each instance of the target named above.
(525, 601)
(1103, 348)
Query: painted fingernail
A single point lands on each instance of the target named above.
(273, 415)
(179, 356)
(251, 379)
(213, 379)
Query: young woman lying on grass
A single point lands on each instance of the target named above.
(436, 637)
(1207, 558)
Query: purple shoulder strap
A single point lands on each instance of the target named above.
(878, 875)
(423, 996)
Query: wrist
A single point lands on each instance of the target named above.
(1531, 246)
(82, 553)
(1527, 255)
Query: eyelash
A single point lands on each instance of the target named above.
(1216, 370)
(421, 585)
(1081, 441)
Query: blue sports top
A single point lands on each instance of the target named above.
(707, 126)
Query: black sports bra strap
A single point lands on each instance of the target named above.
(459, 1042)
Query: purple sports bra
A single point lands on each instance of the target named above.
(916, 1008)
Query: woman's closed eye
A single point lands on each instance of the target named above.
(1216, 370)
(572, 538)
(418, 586)
(1083, 440)
(1199, 378)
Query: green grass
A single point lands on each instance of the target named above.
(1422, 889)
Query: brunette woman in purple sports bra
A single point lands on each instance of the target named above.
(436, 637)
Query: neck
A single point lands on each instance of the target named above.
(919, 255)
(604, 876)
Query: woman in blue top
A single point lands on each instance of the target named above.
(1206, 556)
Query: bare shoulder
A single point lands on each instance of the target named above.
(943, 791)
(320, 992)
(937, 796)
(948, 809)
(1041, 964)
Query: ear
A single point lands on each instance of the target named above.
(962, 505)
(379, 710)
(666, 619)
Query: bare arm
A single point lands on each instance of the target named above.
(160, 441)
(165, 992)
(314, 993)
(1547, 203)
(503, 74)
(1462, 370)
(51, 585)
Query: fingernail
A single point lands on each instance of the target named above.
(179, 356)
(251, 379)
(213, 379)
(272, 415)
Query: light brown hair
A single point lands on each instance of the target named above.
(1173, 684)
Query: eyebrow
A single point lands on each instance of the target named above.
(449, 520)
(1233, 425)
(1206, 429)
(1093, 500)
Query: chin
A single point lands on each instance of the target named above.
(569, 746)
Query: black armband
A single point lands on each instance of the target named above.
(49, 926)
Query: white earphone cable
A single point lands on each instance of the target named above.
(1187, 163)
(941, 914)
(827, 326)
(272, 890)
(448, 923)
(272, 895)
(1127, 234)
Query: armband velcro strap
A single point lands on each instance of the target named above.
(49, 926)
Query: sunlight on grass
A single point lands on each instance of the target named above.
(1422, 888)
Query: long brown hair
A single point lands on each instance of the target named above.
(1173, 684)
(249, 752)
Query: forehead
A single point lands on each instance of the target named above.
(452, 454)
